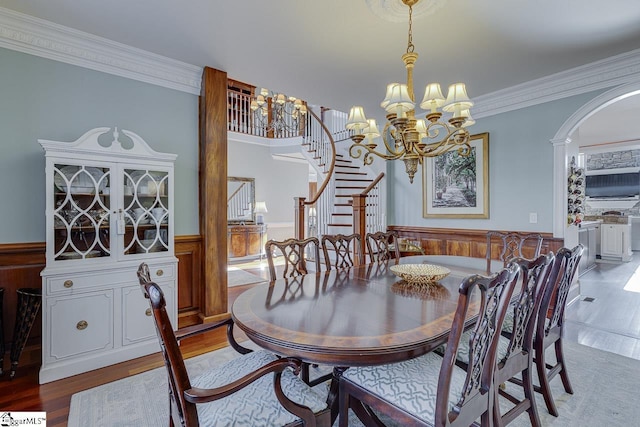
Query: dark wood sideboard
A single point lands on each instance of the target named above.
(246, 240)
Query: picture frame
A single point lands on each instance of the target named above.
(455, 186)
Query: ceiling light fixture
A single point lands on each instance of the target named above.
(404, 136)
(278, 114)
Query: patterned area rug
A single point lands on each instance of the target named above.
(604, 386)
(237, 277)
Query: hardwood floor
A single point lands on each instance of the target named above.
(23, 393)
(610, 322)
(607, 314)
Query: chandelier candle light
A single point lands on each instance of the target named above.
(283, 115)
(406, 137)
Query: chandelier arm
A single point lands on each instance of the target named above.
(453, 139)
(396, 150)
(357, 150)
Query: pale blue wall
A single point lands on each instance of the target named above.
(45, 99)
(520, 171)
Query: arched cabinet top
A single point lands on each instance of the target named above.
(89, 144)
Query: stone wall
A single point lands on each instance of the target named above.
(613, 160)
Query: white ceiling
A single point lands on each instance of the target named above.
(337, 53)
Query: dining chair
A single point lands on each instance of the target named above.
(257, 388)
(511, 246)
(430, 390)
(515, 349)
(549, 328)
(515, 346)
(342, 251)
(382, 246)
(294, 253)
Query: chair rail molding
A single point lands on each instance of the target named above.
(35, 36)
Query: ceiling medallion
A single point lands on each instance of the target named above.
(396, 11)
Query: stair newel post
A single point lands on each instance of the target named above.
(299, 217)
(359, 218)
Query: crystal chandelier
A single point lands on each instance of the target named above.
(406, 137)
(278, 114)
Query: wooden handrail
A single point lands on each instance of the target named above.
(373, 184)
(333, 161)
(236, 192)
(301, 202)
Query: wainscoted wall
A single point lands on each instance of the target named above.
(21, 264)
(464, 242)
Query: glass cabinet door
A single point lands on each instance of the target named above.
(146, 211)
(81, 218)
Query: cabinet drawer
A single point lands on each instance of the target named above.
(80, 324)
(74, 281)
(137, 321)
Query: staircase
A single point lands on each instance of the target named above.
(349, 198)
(349, 180)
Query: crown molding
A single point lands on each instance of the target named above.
(27, 34)
(609, 72)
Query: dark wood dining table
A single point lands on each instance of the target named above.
(364, 315)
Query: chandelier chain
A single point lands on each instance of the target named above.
(410, 47)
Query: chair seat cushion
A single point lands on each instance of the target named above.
(507, 325)
(463, 347)
(411, 385)
(255, 404)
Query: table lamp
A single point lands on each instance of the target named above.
(260, 210)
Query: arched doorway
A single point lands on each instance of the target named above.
(613, 285)
(565, 147)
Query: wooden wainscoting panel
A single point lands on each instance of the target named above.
(433, 246)
(459, 247)
(20, 267)
(21, 264)
(463, 242)
(188, 250)
(478, 249)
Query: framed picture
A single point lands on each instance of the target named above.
(456, 186)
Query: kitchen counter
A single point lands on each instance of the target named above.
(589, 237)
(590, 223)
(608, 219)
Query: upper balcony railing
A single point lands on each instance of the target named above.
(241, 118)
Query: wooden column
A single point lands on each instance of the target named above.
(360, 219)
(213, 192)
(298, 214)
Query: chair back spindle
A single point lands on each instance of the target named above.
(511, 246)
(382, 246)
(342, 251)
(495, 294)
(296, 254)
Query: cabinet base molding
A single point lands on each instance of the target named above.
(214, 318)
(68, 368)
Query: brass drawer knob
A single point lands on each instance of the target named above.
(159, 272)
(147, 312)
(82, 325)
(68, 283)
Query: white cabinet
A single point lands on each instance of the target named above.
(615, 241)
(109, 207)
(635, 233)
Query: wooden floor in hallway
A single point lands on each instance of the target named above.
(607, 314)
